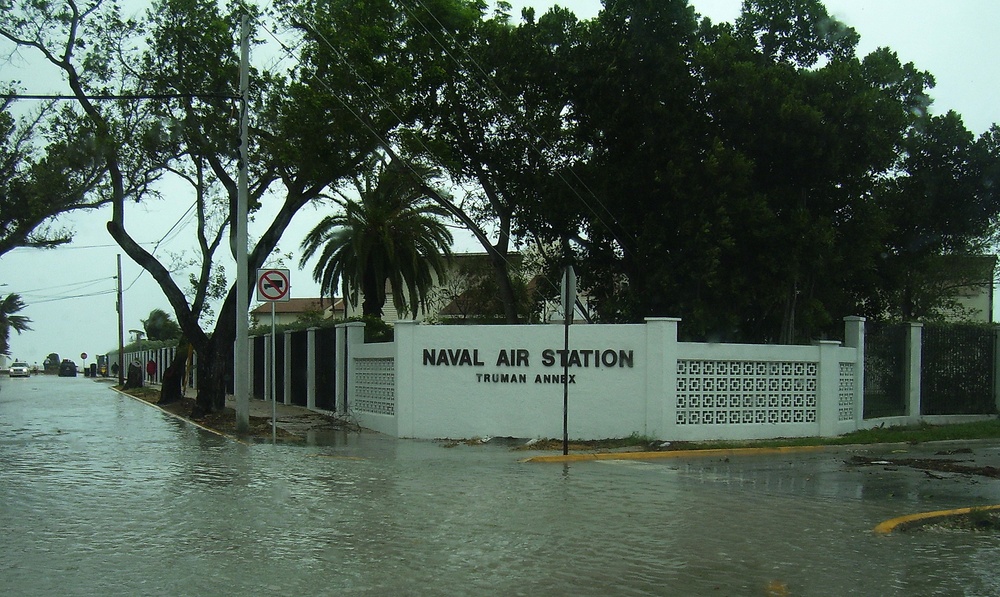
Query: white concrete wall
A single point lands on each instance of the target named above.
(465, 381)
(475, 381)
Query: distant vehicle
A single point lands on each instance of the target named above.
(102, 365)
(19, 369)
(51, 364)
(67, 368)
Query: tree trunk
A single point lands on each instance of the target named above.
(172, 389)
(134, 377)
(374, 300)
(505, 287)
(215, 373)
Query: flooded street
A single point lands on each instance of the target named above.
(103, 495)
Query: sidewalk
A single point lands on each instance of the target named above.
(294, 419)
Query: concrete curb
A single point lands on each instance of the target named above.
(888, 526)
(718, 452)
(180, 418)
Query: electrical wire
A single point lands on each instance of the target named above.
(387, 105)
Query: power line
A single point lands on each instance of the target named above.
(66, 298)
(72, 284)
(120, 96)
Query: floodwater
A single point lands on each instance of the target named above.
(103, 495)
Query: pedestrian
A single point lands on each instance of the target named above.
(151, 370)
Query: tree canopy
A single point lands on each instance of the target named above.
(758, 179)
(159, 326)
(10, 306)
(392, 236)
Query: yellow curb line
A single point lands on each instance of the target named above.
(180, 418)
(720, 452)
(892, 524)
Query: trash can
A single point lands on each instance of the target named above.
(93, 369)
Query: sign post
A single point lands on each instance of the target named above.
(568, 306)
(273, 287)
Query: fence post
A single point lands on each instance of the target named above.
(854, 337)
(268, 367)
(661, 376)
(251, 368)
(996, 367)
(914, 366)
(286, 381)
(311, 368)
(827, 387)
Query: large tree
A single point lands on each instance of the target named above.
(311, 130)
(942, 208)
(734, 173)
(650, 220)
(494, 117)
(390, 235)
(818, 129)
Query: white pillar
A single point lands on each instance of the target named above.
(828, 387)
(854, 337)
(251, 371)
(661, 376)
(340, 363)
(268, 367)
(996, 368)
(349, 334)
(405, 343)
(286, 381)
(311, 368)
(914, 366)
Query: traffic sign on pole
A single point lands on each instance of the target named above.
(272, 285)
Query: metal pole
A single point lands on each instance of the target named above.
(565, 384)
(274, 385)
(569, 302)
(241, 366)
(121, 328)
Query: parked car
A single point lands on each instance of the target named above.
(67, 368)
(19, 369)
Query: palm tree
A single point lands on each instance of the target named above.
(392, 233)
(159, 326)
(9, 321)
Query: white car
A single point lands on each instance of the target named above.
(19, 369)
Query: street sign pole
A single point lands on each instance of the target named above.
(273, 287)
(568, 305)
(274, 386)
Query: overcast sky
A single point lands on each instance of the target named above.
(70, 291)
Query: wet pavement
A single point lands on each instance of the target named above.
(103, 495)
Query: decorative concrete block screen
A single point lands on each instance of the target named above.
(375, 390)
(741, 391)
(475, 381)
(845, 395)
(745, 392)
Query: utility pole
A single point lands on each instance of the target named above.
(241, 366)
(121, 328)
